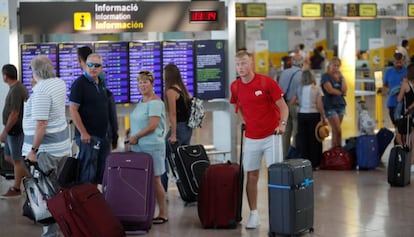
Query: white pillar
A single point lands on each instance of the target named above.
(224, 119)
(9, 43)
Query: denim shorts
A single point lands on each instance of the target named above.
(13, 146)
(329, 113)
(158, 156)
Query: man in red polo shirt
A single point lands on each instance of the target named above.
(260, 102)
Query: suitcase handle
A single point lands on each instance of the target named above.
(241, 176)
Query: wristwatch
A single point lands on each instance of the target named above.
(283, 122)
(35, 149)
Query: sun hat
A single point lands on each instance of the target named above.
(321, 131)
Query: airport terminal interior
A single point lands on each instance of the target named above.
(203, 42)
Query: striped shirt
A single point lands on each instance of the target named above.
(47, 103)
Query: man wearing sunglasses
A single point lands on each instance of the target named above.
(83, 53)
(89, 111)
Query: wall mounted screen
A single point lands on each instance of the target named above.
(210, 68)
(115, 67)
(28, 52)
(69, 68)
(181, 54)
(144, 56)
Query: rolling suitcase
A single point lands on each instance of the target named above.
(6, 169)
(384, 137)
(399, 167)
(291, 201)
(221, 194)
(367, 152)
(188, 164)
(128, 187)
(81, 211)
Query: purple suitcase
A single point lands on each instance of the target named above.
(128, 187)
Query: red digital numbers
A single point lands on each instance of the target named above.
(203, 16)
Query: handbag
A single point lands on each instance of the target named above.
(69, 175)
(39, 189)
(337, 158)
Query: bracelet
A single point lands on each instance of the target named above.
(283, 122)
(35, 149)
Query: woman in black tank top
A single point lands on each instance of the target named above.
(407, 95)
(176, 98)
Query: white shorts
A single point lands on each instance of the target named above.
(254, 149)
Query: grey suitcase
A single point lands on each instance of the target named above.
(6, 169)
(291, 201)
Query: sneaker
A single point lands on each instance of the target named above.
(253, 221)
(12, 192)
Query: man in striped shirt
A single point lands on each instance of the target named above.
(46, 133)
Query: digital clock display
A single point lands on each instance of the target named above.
(203, 16)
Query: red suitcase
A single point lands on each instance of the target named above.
(128, 187)
(220, 195)
(81, 211)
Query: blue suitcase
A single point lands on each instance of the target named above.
(367, 152)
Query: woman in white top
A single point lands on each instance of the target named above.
(310, 112)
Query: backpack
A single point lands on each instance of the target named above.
(195, 110)
(196, 113)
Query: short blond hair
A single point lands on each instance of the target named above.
(243, 53)
(146, 75)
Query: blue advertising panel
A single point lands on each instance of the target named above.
(144, 56)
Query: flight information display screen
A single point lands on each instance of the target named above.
(210, 68)
(115, 68)
(181, 54)
(28, 52)
(69, 68)
(144, 56)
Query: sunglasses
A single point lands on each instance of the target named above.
(94, 65)
(147, 73)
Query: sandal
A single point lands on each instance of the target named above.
(159, 220)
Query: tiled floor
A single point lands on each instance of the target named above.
(347, 204)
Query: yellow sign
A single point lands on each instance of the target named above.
(368, 9)
(311, 10)
(82, 21)
(256, 9)
(410, 9)
(352, 9)
(4, 21)
(239, 10)
(328, 10)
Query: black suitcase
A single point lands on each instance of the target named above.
(291, 201)
(399, 167)
(6, 169)
(188, 164)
